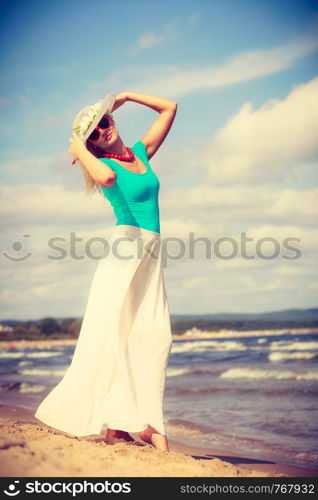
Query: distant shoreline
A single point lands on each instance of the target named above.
(228, 334)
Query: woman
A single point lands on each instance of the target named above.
(118, 370)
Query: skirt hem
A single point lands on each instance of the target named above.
(83, 434)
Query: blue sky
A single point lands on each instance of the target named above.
(241, 155)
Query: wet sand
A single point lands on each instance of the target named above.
(29, 448)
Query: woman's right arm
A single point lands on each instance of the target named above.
(102, 174)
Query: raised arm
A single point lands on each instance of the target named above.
(159, 129)
(102, 174)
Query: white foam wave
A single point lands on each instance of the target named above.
(204, 345)
(43, 373)
(11, 354)
(25, 363)
(266, 374)
(174, 372)
(22, 354)
(43, 354)
(281, 356)
(293, 346)
(34, 388)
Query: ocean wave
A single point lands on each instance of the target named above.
(10, 386)
(43, 354)
(194, 390)
(23, 387)
(266, 374)
(208, 345)
(182, 425)
(224, 438)
(283, 345)
(291, 392)
(43, 373)
(174, 372)
(11, 354)
(22, 354)
(282, 356)
(311, 457)
(26, 387)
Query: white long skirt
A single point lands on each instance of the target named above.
(117, 375)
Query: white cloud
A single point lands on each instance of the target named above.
(237, 285)
(42, 287)
(50, 204)
(202, 207)
(212, 206)
(243, 204)
(20, 166)
(264, 144)
(176, 81)
(147, 41)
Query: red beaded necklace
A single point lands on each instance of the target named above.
(119, 157)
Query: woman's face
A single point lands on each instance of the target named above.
(107, 136)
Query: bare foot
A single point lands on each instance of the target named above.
(116, 436)
(153, 437)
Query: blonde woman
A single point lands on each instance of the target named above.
(117, 375)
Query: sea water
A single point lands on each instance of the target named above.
(256, 396)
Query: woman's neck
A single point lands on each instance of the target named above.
(118, 148)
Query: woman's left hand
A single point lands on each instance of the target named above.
(120, 100)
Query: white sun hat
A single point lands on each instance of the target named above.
(87, 119)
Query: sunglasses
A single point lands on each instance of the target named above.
(103, 124)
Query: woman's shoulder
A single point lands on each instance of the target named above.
(140, 148)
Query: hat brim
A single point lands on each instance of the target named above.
(106, 107)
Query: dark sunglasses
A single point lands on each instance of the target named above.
(103, 124)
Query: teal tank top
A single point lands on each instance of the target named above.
(135, 197)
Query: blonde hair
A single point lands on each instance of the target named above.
(91, 185)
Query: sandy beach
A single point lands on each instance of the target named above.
(29, 448)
